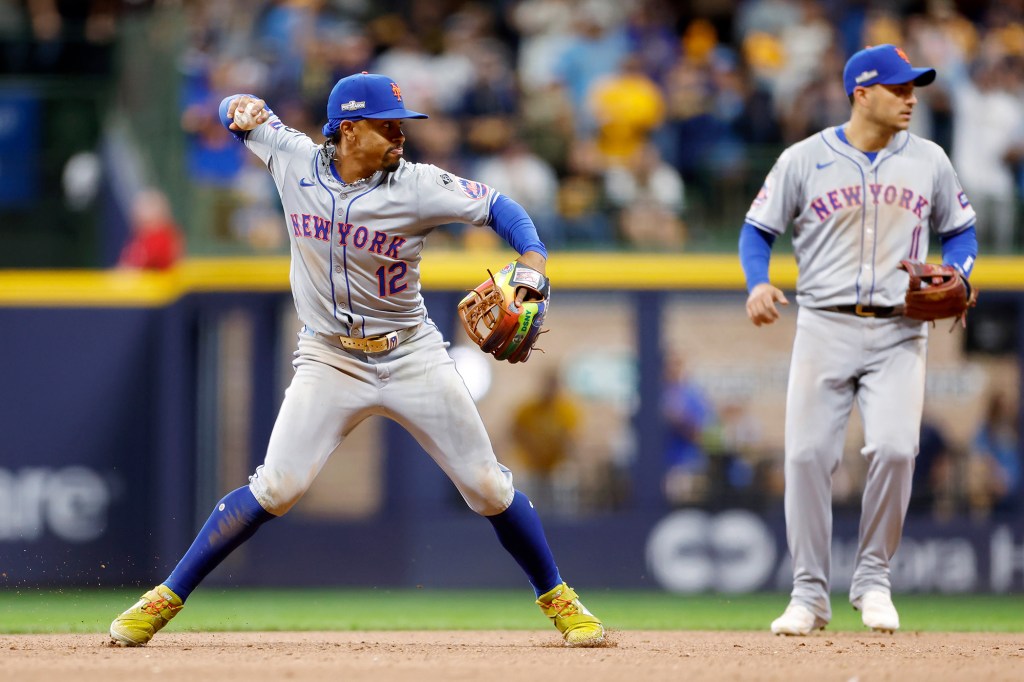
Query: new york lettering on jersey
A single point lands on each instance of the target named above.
(851, 197)
(317, 227)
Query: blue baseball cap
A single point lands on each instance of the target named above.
(365, 95)
(885, 64)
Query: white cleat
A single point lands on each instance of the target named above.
(878, 613)
(797, 620)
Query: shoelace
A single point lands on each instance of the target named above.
(559, 605)
(154, 608)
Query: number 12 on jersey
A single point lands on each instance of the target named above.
(387, 286)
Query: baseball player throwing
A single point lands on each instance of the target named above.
(357, 214)
(861, 197)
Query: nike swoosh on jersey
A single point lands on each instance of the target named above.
(303, 182)
(819, 166)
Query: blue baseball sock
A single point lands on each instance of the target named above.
(234, 520)
(521, 534)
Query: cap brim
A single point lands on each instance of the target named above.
(918, 77)
(333, 124)
(396, 113)
(925, 77)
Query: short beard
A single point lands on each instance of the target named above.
(390, 164)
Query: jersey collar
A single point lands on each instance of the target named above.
(898, 141)
(328, 171)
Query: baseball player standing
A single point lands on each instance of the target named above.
(357, 214)
(861, 197)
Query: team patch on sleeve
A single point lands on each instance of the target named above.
(962, 198)
(473, 190)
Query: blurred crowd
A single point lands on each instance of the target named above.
(975, 479)
(618, 124)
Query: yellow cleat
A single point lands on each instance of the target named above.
(578, 626)
(137, 625)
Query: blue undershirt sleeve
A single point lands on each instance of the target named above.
(755, 253)
(225, 121)
(961, 250)
(515, 226)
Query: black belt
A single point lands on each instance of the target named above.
(866, 310)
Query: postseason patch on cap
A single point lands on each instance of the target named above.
(867, 75)
(353, 105)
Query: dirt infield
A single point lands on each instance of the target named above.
(435, 656)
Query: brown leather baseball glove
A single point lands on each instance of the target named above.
(936, 292)
(493, 320)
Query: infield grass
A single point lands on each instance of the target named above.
(215, 609)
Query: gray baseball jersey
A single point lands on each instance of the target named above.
(356, 247)
(355, 256)
(854, 219)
